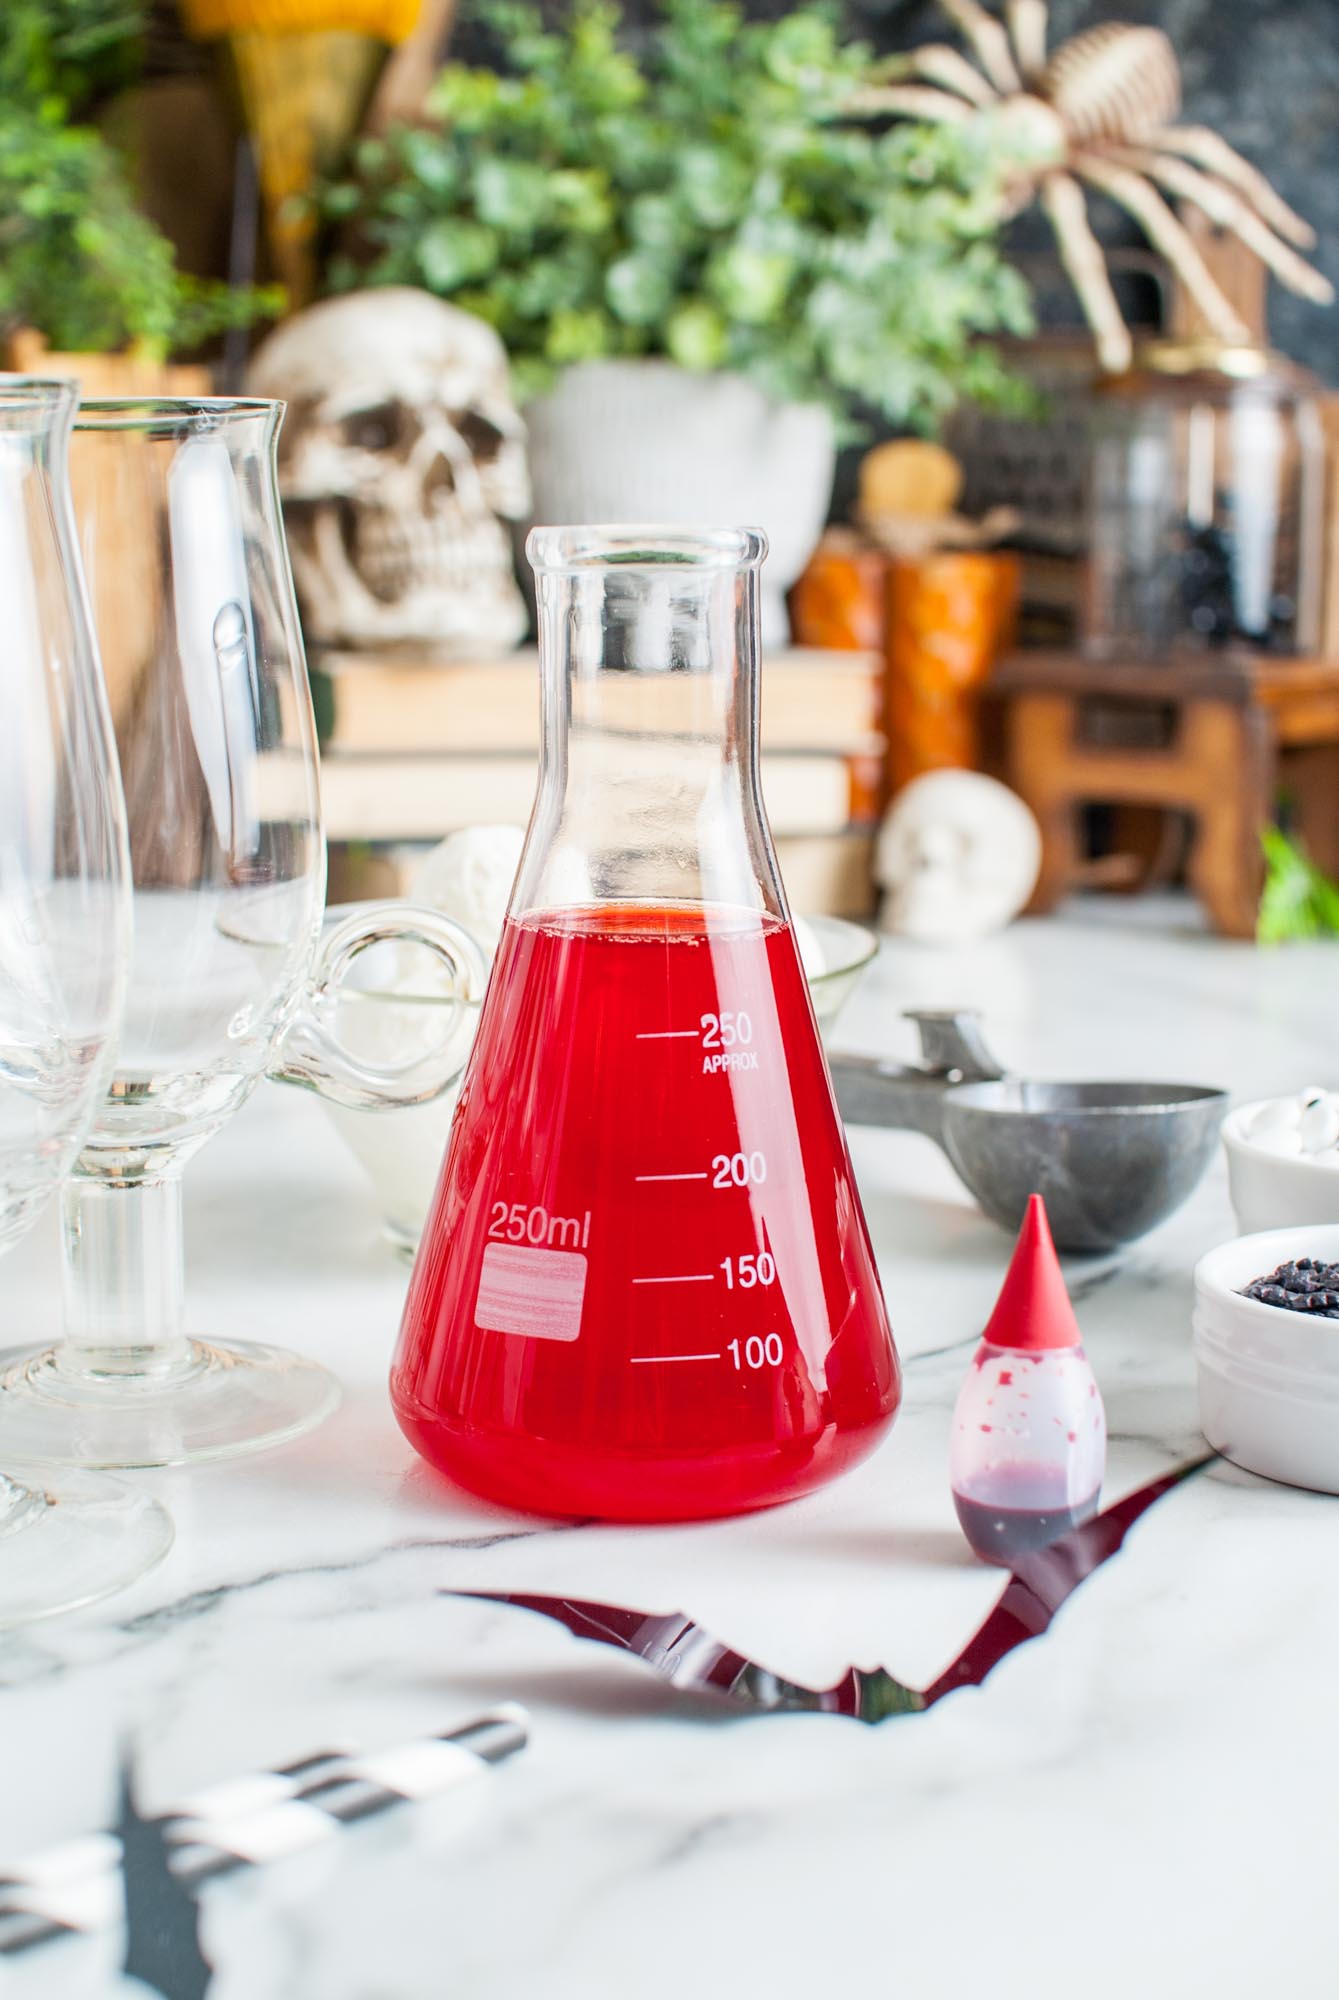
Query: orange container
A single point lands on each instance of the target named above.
(839, 601)
(949, 616)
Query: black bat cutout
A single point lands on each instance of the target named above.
(162, 1917)
(691, 1659)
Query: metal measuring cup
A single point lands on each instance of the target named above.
(1111, 1160)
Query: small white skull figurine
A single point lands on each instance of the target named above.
(958, 856)
(401, 458)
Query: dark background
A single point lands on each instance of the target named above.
(1263, 73)
(1266, 76)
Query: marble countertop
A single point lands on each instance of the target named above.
(1137, 1803)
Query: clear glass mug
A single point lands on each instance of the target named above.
(230, 978)
(64, 944)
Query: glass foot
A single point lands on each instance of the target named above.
(71, 1540)
(221, 1401)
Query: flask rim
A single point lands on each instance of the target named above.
(174, 417)
(564, 550)
(37, 392)
(36, 406)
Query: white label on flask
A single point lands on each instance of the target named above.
(538, 1293)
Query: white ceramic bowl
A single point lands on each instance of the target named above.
(401, 1151)
(1268, 1378)
(1274, 1190)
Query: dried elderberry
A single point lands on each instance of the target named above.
(1307, 1284)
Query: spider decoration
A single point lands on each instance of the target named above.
(1101, 110)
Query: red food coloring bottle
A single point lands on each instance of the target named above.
(1028, 1450)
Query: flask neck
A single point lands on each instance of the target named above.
(648, 785)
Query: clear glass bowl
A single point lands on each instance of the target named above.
(390, 1004)
(848, 950)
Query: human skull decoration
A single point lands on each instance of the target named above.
(958, 856)
(401, 459)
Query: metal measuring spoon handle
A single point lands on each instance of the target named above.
(910, 1096)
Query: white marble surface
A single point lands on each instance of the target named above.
(1139, 1803)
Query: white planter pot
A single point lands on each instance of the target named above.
(627, 442)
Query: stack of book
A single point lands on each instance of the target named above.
(413, 749)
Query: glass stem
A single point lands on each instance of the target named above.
(124, 1281)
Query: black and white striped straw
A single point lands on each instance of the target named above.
(75, 1889)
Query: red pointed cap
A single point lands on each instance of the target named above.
(1033, 1311)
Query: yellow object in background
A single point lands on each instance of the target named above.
(908, 491)
(388, 20)
(305, 71)
(909, 476)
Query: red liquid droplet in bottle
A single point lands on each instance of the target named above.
(999, 1532)
(646, 1290)
(1028, 1449)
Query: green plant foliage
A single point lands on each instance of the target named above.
(708, 203)
(1299, 900)
(74, 50)
(78, 260)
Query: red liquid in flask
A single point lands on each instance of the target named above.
(645, 1290)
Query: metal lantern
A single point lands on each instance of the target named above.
(1206, 511)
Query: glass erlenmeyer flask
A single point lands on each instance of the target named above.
(646, 1290)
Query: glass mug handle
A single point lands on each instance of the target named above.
(311, 1052)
